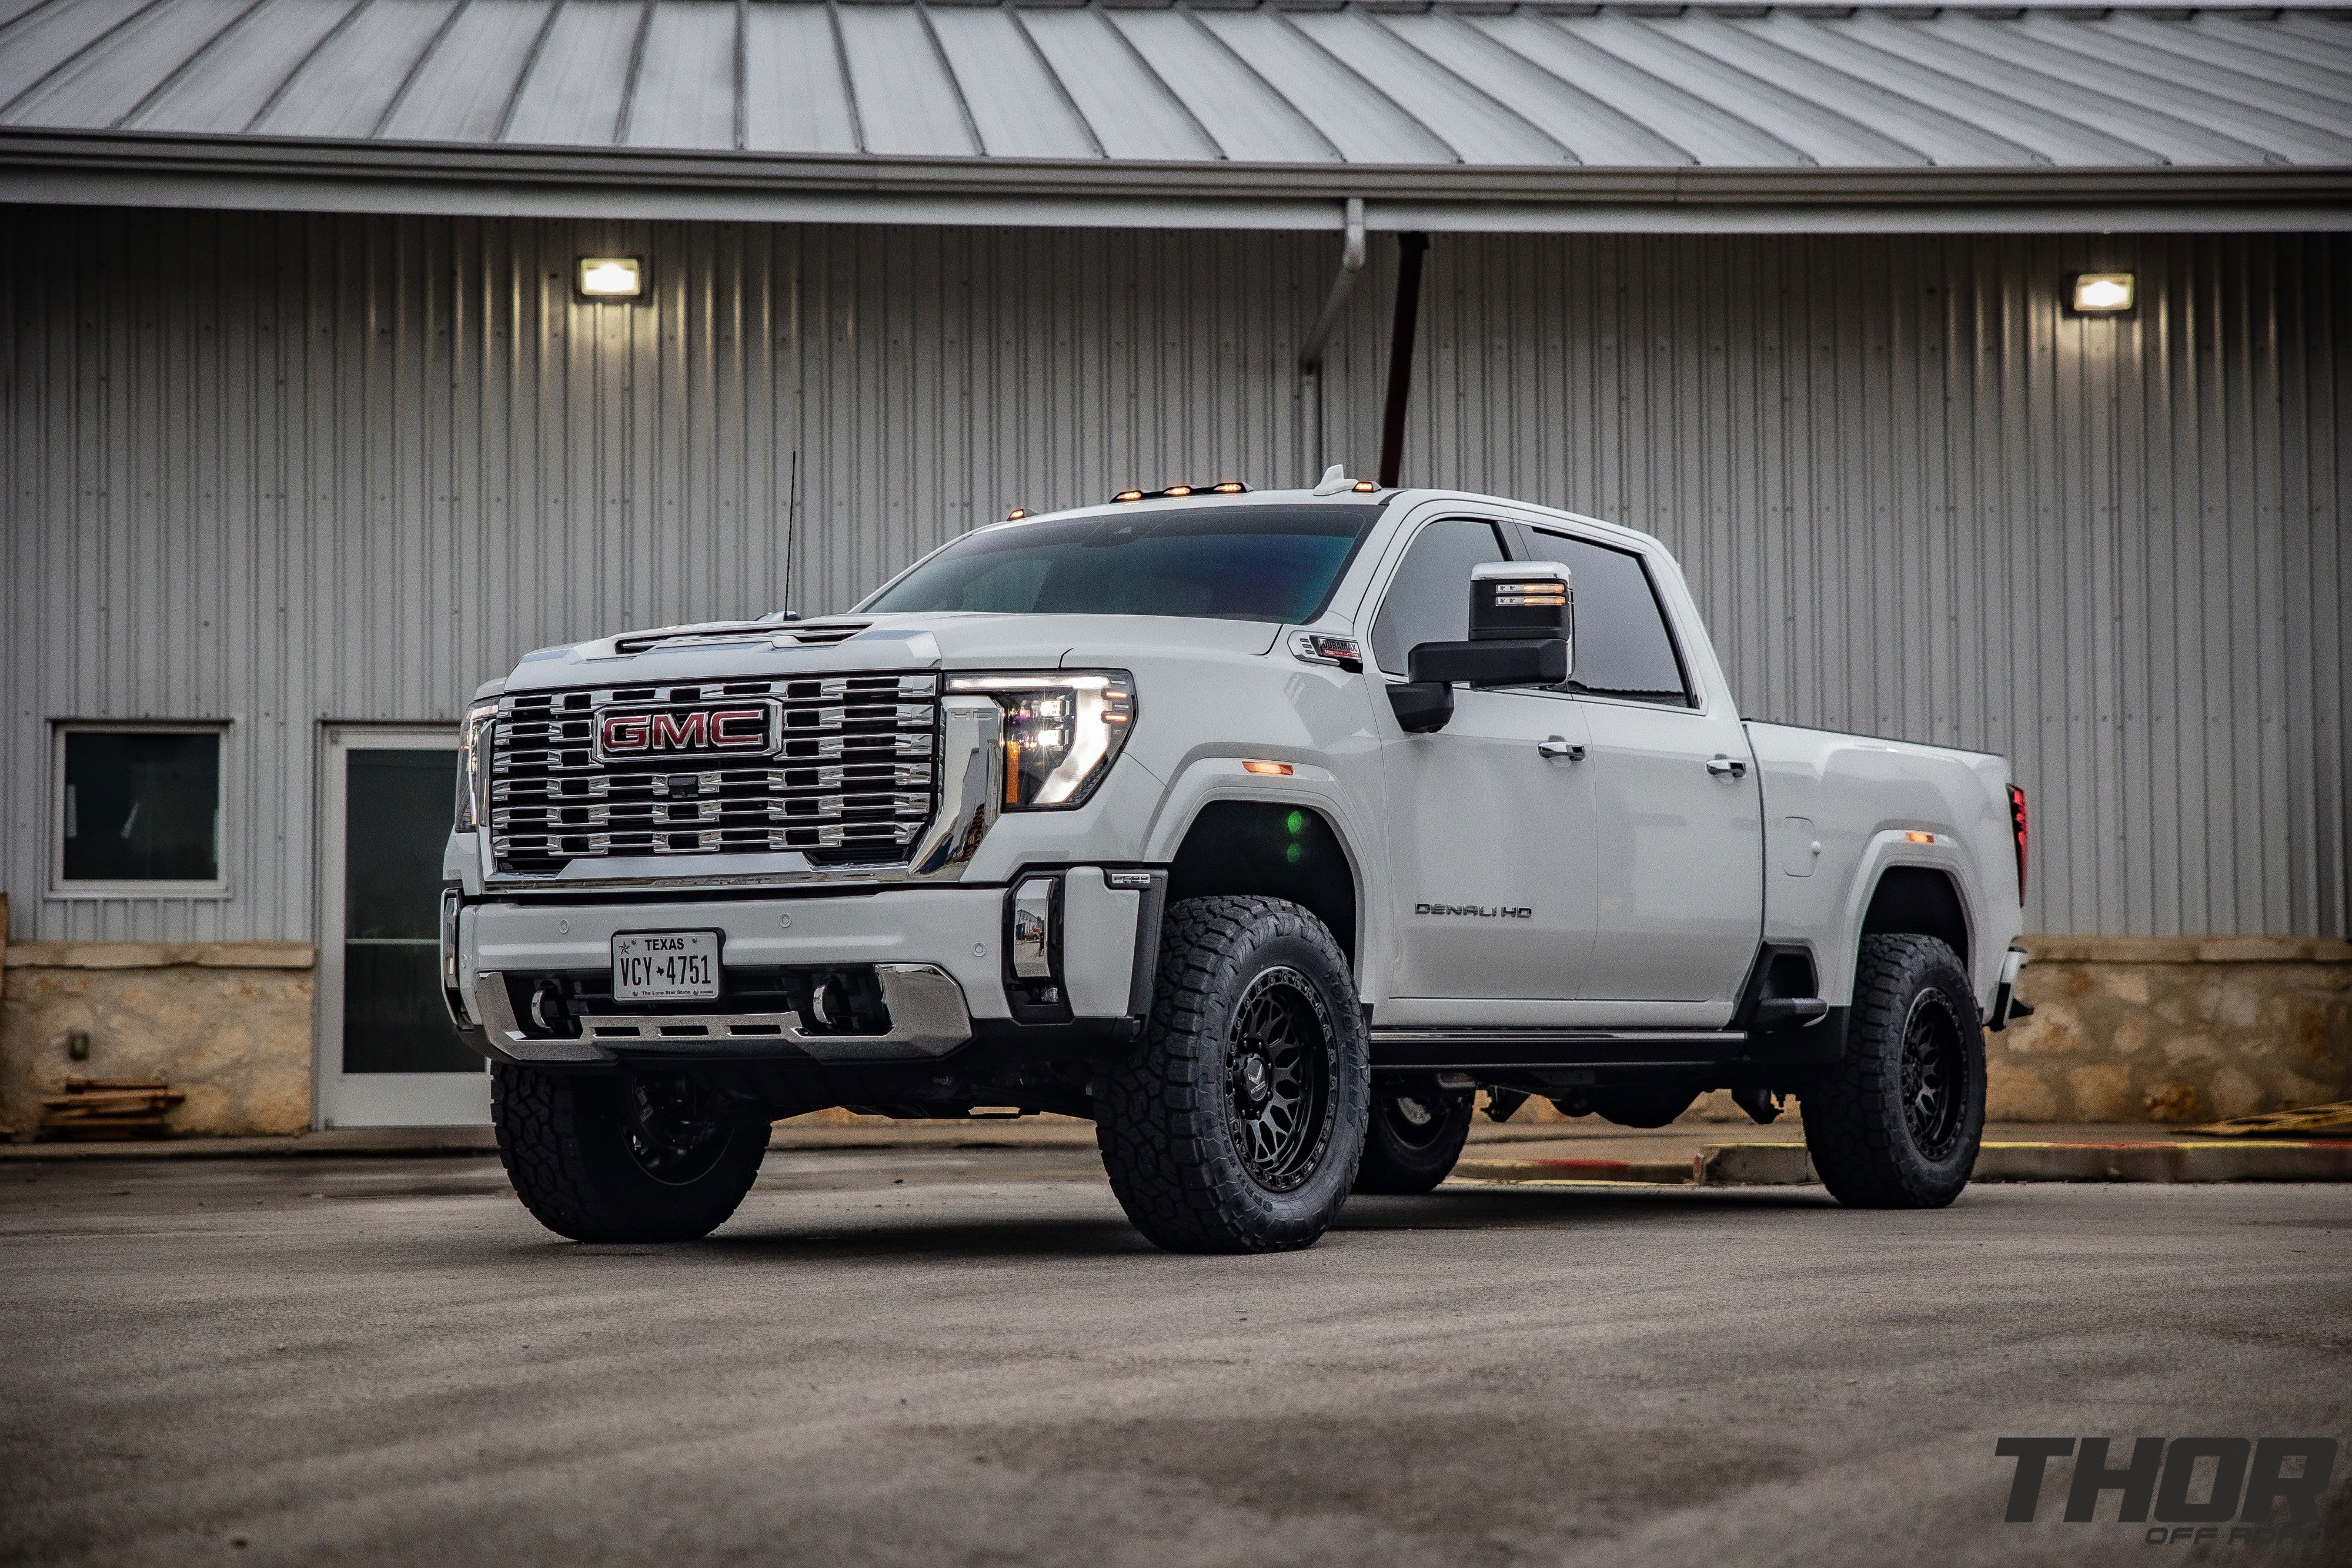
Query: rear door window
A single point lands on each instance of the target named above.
(1624, 647)
(1429, 599)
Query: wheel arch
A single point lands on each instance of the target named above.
(1275, 848)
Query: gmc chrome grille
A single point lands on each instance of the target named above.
(848, 775)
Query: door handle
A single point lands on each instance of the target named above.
(1724, 767)
(1557, 747)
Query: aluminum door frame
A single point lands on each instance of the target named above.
(339, 1099)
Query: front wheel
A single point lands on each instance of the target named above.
(621, 1157)
(1895, 1122)
(1237, 1124)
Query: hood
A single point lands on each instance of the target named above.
(840, 644)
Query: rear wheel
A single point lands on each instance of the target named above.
(1237, 1122)
(1897, 1121)
(1412, 1138)
(621, 1157)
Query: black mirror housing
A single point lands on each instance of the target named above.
(1421, 706)
(1492, 662)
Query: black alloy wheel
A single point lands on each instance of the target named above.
(675, 1133)
(1280, 1079)
(1934, 1090)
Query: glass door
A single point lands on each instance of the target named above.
(387, 1056)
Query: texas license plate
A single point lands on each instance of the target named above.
(665, 966)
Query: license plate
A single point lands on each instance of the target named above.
(665, 966)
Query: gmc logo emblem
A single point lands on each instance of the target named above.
(648, 732)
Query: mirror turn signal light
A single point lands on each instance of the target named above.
(1269, 770)
(1921, 838)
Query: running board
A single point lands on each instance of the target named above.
(1395, 1050)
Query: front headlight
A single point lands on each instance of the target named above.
(1063, 729)
(474, 765)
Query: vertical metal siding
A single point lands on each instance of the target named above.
(281, 470)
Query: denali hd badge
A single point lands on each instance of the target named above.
(746, 729)
(1476, 911)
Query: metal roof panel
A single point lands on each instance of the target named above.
(342, 89)
(796, 98)
(907, 100)
(1362, 121)
(685, 93)
(1592, 131)
(217, 88)
(1017, 101)
(1471, 117)
(459, 89)
(571, 93)
(1125, 102)
(1250, 119)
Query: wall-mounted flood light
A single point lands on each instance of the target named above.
(611, 278)
(2102, 293)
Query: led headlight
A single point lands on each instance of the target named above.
(474, 765)
(1063, 729)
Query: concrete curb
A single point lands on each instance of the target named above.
(1787, 1165)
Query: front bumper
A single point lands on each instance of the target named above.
(938, 952)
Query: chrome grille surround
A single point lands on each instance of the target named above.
(852, 779)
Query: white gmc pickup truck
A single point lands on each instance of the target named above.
(1261, 829)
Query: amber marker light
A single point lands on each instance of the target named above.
(1232, 487)
(1016, 514)
(1177, 490)
(1129, 495)
(1364, 486)
(1921, 838)
(1268, 769)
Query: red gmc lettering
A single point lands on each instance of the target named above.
(626, 731)
(676, 732)
(738, 726)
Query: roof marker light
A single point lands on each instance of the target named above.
(1129, 495)
(1016, 514)
(1232, 487)
(1363, 487)
(1177, 490)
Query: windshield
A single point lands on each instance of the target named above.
(1224, 563)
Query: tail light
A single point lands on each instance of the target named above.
(2017, 825)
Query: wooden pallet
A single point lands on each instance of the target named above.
(108, 1108)
(2333, 1120)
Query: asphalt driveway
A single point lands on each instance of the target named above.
(932, 1357)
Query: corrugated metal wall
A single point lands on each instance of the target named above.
(284, 470)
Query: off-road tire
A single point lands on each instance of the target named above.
(1163, 1117)
(1874, 1146)
(1405, 1154)
(566, 1140)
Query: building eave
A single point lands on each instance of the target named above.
(261, 173)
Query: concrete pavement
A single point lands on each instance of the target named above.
(926, 1356)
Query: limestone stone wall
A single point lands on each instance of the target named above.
(228, 1023)
(2175, 1029)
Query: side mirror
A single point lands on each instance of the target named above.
(1522, 633)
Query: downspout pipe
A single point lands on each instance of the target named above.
(1318, 337)
(1411, 249)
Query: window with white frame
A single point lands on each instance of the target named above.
(139, 808)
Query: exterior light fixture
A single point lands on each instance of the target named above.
(2103, 293)
(1231, 487)
(611, 278)
(1269, 770)
(1016, 514)
(1363, 487)
(1177, 490)
(1129, 495)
